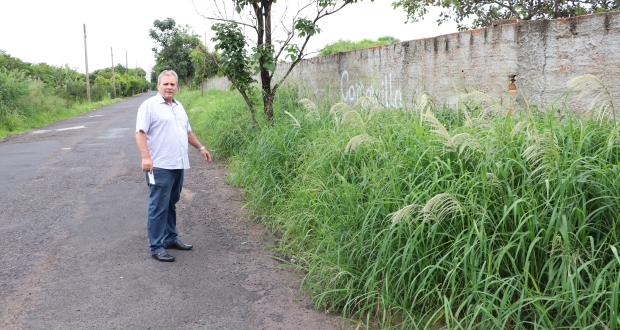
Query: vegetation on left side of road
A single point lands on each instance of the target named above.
(37, 109)
(34, 95)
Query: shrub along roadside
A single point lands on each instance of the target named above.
(56, 110)
(435, 217)
(26, 104)
(33, 95)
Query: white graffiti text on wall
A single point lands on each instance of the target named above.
(386, 94)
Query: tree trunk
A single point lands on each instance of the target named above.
(252, 111)
(264, 40)
(268, 105)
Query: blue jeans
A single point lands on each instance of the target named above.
(162, 214)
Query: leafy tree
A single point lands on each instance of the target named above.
(100, 75)
(346, 45)
(175, 46)
(40, 71)
(154, 75)
(57, 76)
(10, 63)
(120, 69)
(486, 11)
(128, 82)
(234, 62)
(140, 72)
(204, 63)
(44, 72)
(65, 76)
(240, 65)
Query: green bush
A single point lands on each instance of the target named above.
(12, 86)
(32, 95)
(12, 120)
(100, 92)
(40, 105)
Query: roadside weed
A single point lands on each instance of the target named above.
(433, 218)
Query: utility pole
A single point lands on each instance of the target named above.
(86, 59)
(113, 76)
(126, 63)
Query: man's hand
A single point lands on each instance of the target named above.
(206, 155)
(147, 165)
(147, 162)
(193, 141)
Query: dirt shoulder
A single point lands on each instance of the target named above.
(238, 251)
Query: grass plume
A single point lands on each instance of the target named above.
(601, 101)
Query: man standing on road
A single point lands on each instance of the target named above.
(162, 134)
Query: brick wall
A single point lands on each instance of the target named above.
(532, 60)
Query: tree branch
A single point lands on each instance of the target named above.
(301, 54)
(226, 20)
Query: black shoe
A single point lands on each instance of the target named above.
(163, 256)
(180, 246)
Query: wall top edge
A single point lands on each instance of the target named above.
(497, 25)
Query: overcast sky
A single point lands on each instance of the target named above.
(38, 31)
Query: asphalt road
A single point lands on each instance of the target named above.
(74, 251)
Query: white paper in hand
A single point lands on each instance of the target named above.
(151, 178)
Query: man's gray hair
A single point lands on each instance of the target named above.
(168, 73)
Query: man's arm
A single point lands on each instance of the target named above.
(193, 141)
(147, 162)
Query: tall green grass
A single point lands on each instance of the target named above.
(26, 104)
(222, 119)
(38, 108)
(431, 217)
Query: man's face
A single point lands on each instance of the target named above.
(167, 87)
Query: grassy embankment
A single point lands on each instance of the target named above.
(47, 112)
(432, 217)
(35, 95)
(34, 105)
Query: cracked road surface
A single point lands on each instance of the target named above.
(74, 249)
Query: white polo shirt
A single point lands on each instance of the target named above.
(166, 127)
